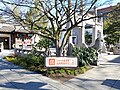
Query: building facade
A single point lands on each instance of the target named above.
(8, 34)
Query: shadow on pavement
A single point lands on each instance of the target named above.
(112, 83)
(4, 65)
(10, 69)
(116, 60)
(7, 65)
(24, 86)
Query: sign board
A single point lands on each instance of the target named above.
(18, 43)
(23, 44)
(27, 44)
(61, 62)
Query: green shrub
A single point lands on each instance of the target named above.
(29, 61)
(66, 71)
(83, 70)
(50, 71)
(62, 71)
(85, 55)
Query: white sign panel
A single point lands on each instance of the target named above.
(26, 44)
(61, 62)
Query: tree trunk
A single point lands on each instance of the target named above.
(57, 48)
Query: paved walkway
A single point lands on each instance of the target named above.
(106, 76)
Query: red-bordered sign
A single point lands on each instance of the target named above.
(61, 62)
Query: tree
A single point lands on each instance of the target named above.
(44, 43)
(112, 26)
(58, 14)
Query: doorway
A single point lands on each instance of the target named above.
(5, 41)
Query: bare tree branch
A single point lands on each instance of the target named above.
(58, 14)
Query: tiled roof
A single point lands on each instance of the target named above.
(9, 29)
(6, 29)
(22, 31)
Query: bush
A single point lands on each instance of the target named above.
(85, 55)
(36, 63)
(28, 61)
(67, 71)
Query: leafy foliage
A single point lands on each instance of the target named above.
(35, 63)
(67, 71)
(85, 55)
(112, 26)
(44, 43)
(34, 21)
(27, 61)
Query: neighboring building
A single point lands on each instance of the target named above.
(8, 35)
(95, 27)
(78, 33)
(105, 11)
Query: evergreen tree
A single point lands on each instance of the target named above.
(112, 26)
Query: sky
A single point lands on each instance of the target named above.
(114, 2)
(100, 1)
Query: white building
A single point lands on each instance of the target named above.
(78, 33)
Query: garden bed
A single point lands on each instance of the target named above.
(36, 63)
(60, 74)
(69, 73)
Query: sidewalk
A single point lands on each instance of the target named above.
(7, 53)
(13, 77)
(106, 76)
